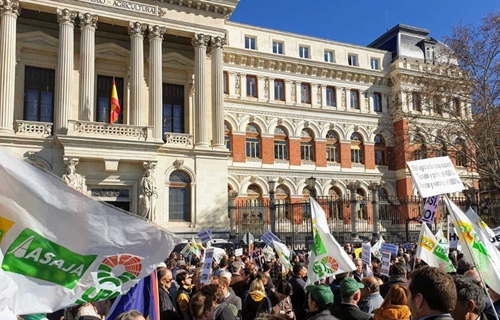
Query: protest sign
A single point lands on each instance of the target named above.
(435, 176)
(205, 235)
(392, 248)
(408, 246)
(258, 258)
(452, 235)
(385, 263)
(207, 266)
(430, 209)
(357, 252)
(366, 253)
(268, 238)
(238, 252)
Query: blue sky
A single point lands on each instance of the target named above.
(360, 21)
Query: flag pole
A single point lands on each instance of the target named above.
(461, 236)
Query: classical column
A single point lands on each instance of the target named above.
(200, 42)
(374, 187)
(353, 188)
(9, 11)
(232, 213)
(64, 83)
(136, 31)
(217, 92)
(88, 23)
(156, 80)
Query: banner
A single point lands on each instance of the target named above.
(207, 266)
(453, 236)
(205, 235)
(392, 248)
(431, 252)
(283, 254)
(376, 248)
(385, 263)
(63, 247)
(366, 254)
(268, 237)
(430, 209)
(327, 256)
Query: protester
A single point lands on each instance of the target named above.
(394, 305)
(222, 310)
(370, 295)
(397, 276)
(335, 286)
(489, 311)
(183, 279)
(202, 306)
(131, 315)
(230, 298)
(299, 290)
(433, 294)
(351, 295)
(237, 281)
(167, 308)
(358, 273)
(319, 301)
(256, 301)
(281, 302)
(470, 299)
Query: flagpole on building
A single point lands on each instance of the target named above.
(462, 236)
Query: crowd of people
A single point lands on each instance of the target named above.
(240, 290)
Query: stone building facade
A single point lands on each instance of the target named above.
(211, 110)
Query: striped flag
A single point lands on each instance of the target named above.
(431, 252)
(115, 104)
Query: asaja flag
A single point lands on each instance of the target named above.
(115, 109)
(283, 254)
(327, 256)
(477, 251)
(377, 246)
(63, 248)
(480, 225)
(431, 252)
(193, 246)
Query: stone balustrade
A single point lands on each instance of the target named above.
(34, 128)
(107, 130)
(179, 139)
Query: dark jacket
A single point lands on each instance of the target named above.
(440, 317)
(254, 304)
(321, 315)
(167, 310)
(350, 312)
(234, 300)
(299, 296)
(222, 312)
(238, 285)
(392, 281)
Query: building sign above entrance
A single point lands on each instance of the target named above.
(127, 5)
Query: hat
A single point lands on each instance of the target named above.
(349, 286)
(321, 294)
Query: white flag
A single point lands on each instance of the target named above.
(283, 253)
(327, 256)
(476, 248)
(377, 246)
(62, 248)
(431, 252)
(480, 225)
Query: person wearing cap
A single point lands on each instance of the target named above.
(350, 294)
(319, 301)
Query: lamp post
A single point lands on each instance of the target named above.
(272, 204)
(311, 185)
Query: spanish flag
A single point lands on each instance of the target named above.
(115, 104)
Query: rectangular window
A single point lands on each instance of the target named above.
(39, 94)
(173, 108)
(375, 63)
(226, 82)
(356, 156)
(305, 90)
(457, 107)
(104, 86)
(415, 101)
(330, 96)
(353, 59)
(332, 154)
(253, 148)
(304, 52)
(279, 90)
(377, 102)
(277, 47)
(329, 56)
(379, 157)
(354, 99)
(306, 151)
(250, 42)
(280, 150)
(252, 86)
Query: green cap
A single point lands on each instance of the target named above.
(36, 316)
(321, 294)
(349, 286)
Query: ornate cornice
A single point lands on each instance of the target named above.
(303, 67)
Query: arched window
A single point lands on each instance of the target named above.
(460, 153)
(179, 195)
(440, 148)
(356, 148)
(332, 146)
(380, 154)
(280, 143)
(252, 141)
(228, 137)
(419, 148)
(254, 195)
(335, 203)
(282, 199)
(307, 145)
(354, 99)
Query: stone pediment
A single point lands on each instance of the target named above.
(111, 51)
(37, 39)
(175, 60)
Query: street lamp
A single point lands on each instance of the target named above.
(311, 184)
(272, 204)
